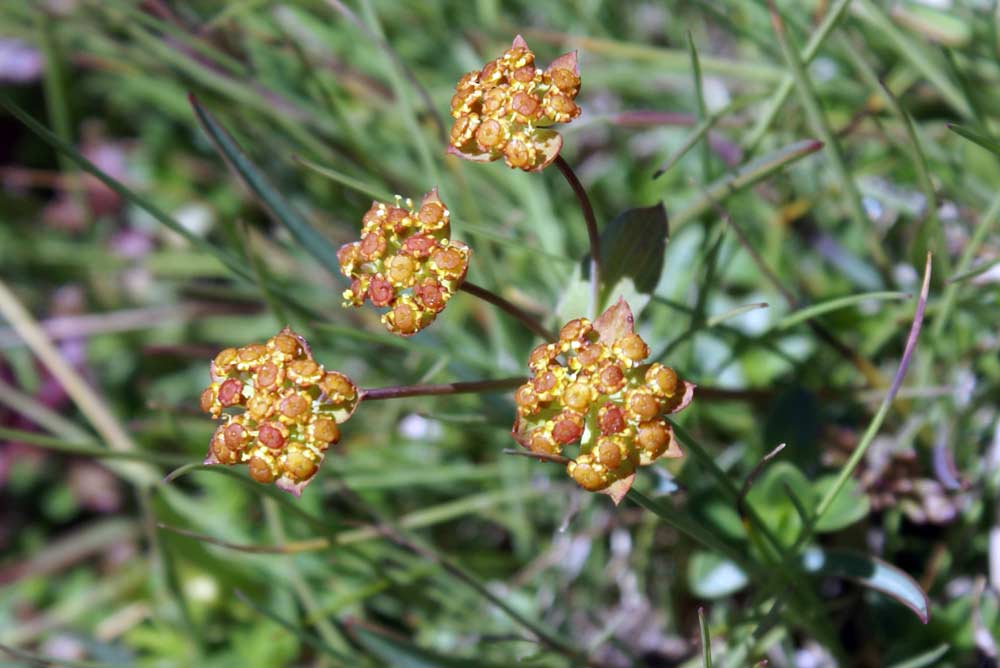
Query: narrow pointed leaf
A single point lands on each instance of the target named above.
(975, 137)
(401, 653)
(744, 177)
(280, 209)
(118, 187)
(870, 572)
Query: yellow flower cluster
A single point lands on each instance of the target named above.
(405, 261)
(279, 410)
(504, 110)
(601, 396)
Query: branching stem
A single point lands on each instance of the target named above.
(510, 309)
(475, 387)
(591, 220)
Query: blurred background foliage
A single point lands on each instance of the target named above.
(422, 543)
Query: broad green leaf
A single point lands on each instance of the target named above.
(632, 250)
(848, 507)
(769, 496)
(280, 209)
(632, 247)
(713, 576)
(870, 572)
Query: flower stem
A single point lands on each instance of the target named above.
(507, 307)
(479, 386)
(591, 220)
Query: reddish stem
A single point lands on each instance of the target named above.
(591, 220)
(479, 386)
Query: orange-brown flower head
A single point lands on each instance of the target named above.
(279, 410)
(604, 398)
(405, 262)
(505, 109)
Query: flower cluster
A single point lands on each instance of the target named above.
(405, 261)
(602, 396)
(504, 110)
(279, 410)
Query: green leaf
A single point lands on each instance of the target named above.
(770, 499)
(632, 247)
(744, 177)
(928, 658)
(809, 312)
(975, 137)
(870, 572)
(280, 209)
(944, 27)
(295, 629)
(712, 576)
(49, 137)
(847, 508)
(400, 653)
(706, 640)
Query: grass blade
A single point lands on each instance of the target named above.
(344, 180)
(810, 312)
(876, 423)
(975, 137)
(733, 312)
(699, 96)
(86, 165)
(784, 89)
(821, 126)
(85, 396)
(744, 177)
(88, 450)
(914, 52)
(295, 629)
(706, 640)
(280, 209)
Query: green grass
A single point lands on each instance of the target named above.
(806, 166)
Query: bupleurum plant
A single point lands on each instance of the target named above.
(591, 384)
(601, 396)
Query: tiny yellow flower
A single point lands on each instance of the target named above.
(279, 410)
(505, 109)
(603, 397)
(405, 262)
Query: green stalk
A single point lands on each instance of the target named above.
(788, 81)
(820, 125)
